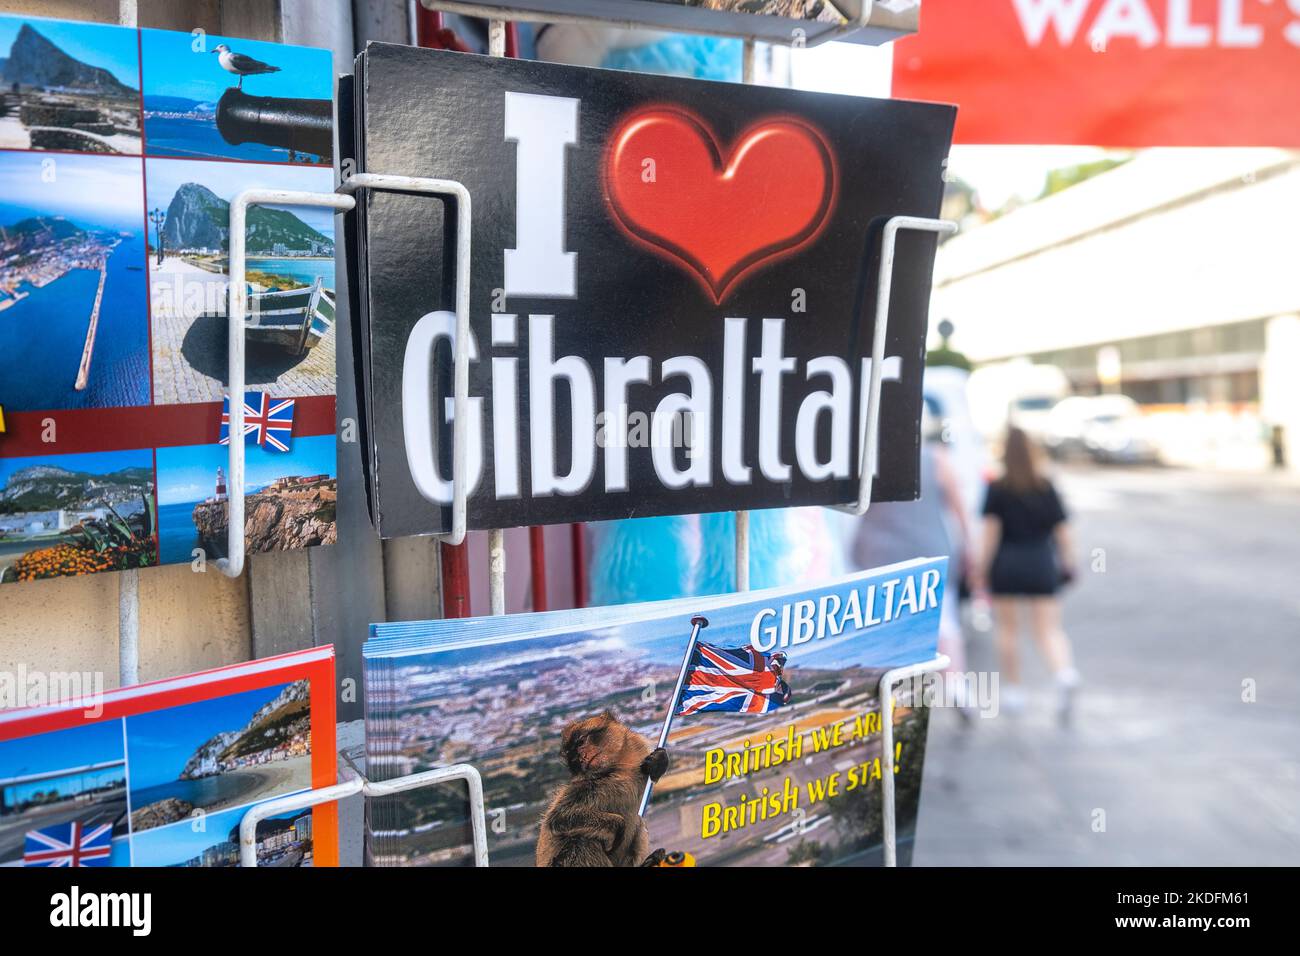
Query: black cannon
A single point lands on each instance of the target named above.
(298, 125)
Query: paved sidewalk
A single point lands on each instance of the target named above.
(1200, 593)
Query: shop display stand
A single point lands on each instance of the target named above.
(884, 289)
(344, 200)
(355, 782)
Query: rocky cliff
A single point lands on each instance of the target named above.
(274, 519)
(37, 233)
(197, 218)
(46, 488)
(272, 721)
(35, 61)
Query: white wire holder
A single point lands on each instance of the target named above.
(888, 811)
(233, 564)
(385, 182)
(353, 783)
(742, 517)
(884, 289)
(343, 200)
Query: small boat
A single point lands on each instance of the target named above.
(294, 319)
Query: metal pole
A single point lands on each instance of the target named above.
(697, 622)
(496, 38)
(497, 537)
(455, 580)
(128, 582)
(742, 517)
(497, 571)
(537, 566)
(128, 628)
(887, 809)
(578, 542)
(742, 550)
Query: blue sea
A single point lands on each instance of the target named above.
(203, 792)
(42, 337)
(304, 270)
(177, 536)
(199, 138)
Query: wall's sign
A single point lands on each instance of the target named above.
(1110, 72)
(671, 302)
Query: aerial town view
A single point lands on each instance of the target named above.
(73, 315)
(69, 87)
(506, 717)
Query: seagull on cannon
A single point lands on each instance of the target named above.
(240, 64)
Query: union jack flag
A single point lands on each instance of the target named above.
(69, 844)
(267, 421)
(734, 679)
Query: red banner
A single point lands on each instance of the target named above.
(1110, 72)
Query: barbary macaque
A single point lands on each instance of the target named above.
(593, 820)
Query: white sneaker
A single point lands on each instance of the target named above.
(1067, 686)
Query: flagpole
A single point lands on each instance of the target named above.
(697, 622)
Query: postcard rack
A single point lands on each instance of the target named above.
(342, 200)
(355, 782)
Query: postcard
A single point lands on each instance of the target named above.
(67, 86)
(162, 774)
(733, 730)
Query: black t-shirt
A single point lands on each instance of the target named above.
(1026, 517)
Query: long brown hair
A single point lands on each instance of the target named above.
(1020, 458)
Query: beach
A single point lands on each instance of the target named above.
(155, 806)
(189, 343)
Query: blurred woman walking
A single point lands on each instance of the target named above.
(1027, 557)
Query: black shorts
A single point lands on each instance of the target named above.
(1025, 569)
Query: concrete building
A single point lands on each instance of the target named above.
(1172, 279)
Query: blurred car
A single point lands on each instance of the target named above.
(1016, 392)
(1105, 428)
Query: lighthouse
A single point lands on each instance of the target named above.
(221, 485)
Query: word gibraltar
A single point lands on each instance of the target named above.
(594, 419)
(807, 620)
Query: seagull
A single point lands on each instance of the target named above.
(241, 65)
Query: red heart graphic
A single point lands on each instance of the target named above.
(772, 195)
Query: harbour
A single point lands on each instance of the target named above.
(87, 353)
(74, 362)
